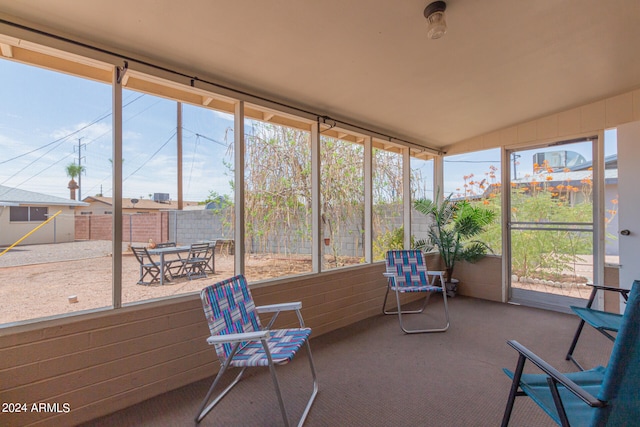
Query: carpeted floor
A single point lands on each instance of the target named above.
(372, 374)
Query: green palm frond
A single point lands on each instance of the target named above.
(452, 223)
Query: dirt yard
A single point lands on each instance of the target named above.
(37, 280)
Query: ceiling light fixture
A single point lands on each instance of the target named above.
(436, 22)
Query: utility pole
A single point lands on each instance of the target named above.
(80, 157)
(514, 158)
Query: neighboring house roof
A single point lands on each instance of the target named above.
(10, 196)
(143, 203)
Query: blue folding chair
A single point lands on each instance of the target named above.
(407, 272)
(597, 397)
(241, 341)
(604, 322)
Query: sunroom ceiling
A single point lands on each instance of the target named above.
(366, 62)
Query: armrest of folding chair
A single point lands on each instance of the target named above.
(287, 306)
(232, 338)
(277, 308)
(621, 291)
(557, 376)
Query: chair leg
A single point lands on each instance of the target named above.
(204, 408)
(146, 271)
(274, 377)
(422, 331)
(562, 414)
(276, 385)
(514, 391)
(315, 386)
(385, 311)
(573, 346)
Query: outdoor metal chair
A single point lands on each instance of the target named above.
(149, 269)
(604, 322)
(407, 272)
(194, 266)
(598, 397)
(241, 341)
(210, 264)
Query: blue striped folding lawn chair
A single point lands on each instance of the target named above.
(241, 341)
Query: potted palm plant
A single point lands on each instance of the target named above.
(452, 226)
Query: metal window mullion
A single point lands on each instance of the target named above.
(582, 230)
(179, 155)
(591, 224)
(239, 202)
(316, 220)
(368, 199)
(505, 196)
(406, 197)
(438, 177)
(117, 186)
(599, 245)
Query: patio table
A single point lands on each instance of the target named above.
(178, 250)
(164, 251)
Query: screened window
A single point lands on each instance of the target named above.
(56, 118)
(19, 213)
(342, 195)
(388, 230)
(476, 177)
(278, 220)
(38, 213)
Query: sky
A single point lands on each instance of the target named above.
(49, 120)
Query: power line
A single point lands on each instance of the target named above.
(35, 160)
(206, 137)
(61, 140)
(152, 156)
(99, 119)
(47, 168)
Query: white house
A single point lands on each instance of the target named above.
(21, 212)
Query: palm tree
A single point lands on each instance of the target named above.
(453, 225)
(74, 170)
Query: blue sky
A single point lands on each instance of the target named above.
(44, 114)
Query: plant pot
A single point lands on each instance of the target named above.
(452, 287)
(327, 241)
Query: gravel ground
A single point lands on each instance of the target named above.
(77, 276)
(56, 252)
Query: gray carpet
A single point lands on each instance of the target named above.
(372, 374)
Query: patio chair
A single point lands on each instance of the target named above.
(210, 264)
(195, 264)
(407, 272)
(241, 341)
(604, 322)
(598, 397)
(149, 269)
